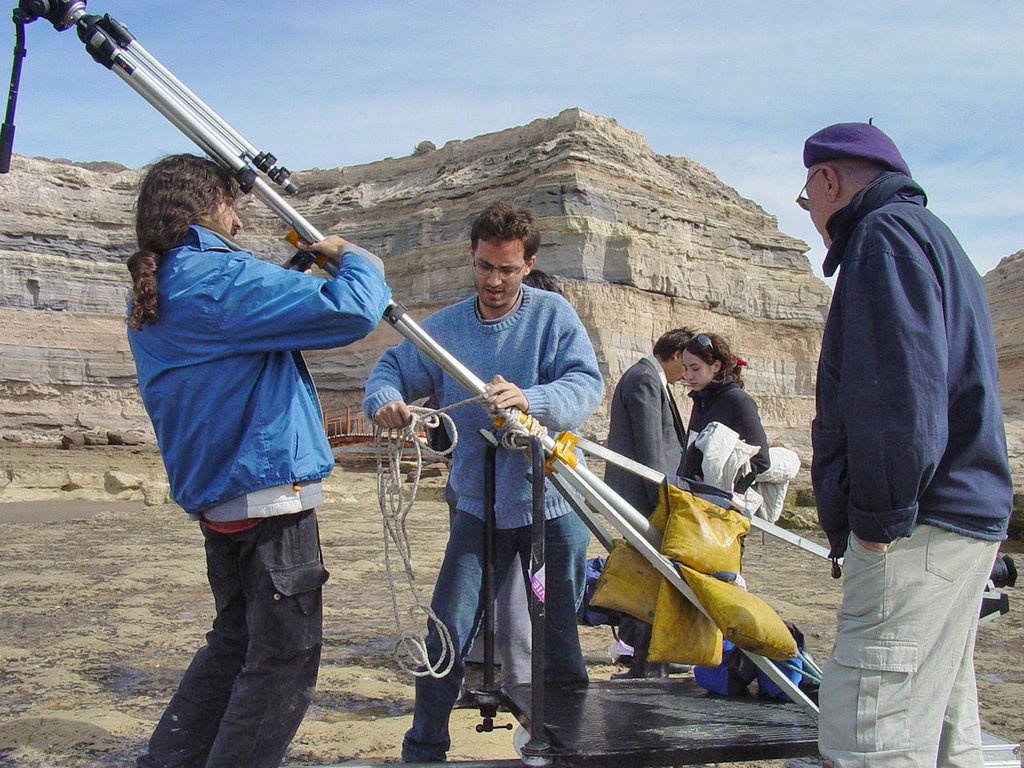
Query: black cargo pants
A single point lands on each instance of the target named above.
(245, 692)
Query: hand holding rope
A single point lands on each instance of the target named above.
(396, 502)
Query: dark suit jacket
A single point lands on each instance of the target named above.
(643, 428)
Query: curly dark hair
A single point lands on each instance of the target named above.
(710, 347)
(176, 192)
(502, 222)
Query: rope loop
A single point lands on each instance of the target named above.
(396, 498)
(396, 495)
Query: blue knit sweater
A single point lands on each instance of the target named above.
(542, 347)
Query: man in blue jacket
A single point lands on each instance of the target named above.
(532, 348)
(215, 334)
(910, 468)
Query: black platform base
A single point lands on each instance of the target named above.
(627, 723)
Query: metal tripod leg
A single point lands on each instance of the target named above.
(535, 751)
(488, 697)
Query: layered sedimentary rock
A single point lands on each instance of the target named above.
(64, 235)
(1005, 288)
(640, 242)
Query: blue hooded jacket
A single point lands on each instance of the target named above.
(909, 428)
(232, 403)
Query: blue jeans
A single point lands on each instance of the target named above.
(458, 604)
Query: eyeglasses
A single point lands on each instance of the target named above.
(705, 341)
(505, 273)
(801, 199)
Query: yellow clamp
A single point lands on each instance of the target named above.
(293, 238)
(528, 422)
(563, 451)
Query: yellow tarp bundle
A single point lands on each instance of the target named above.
(698, 533)
(704, 538)
(681, 633)
(628, 583)
(747, 621)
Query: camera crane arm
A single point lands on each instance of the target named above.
(111, 44)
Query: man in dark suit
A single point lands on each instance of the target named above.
(646, 427)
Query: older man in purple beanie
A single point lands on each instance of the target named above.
(910, 468)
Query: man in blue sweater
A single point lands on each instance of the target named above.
(532, 348)
(910, 469)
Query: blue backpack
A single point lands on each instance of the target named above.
(737, 672)
(587, 614)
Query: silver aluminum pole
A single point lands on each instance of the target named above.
(185, 94)
(210, 141)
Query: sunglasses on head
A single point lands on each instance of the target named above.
(704, 340)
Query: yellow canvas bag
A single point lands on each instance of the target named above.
(704, 538)
(681, 633)
(699, 533)
(746, 620)
(628, 584)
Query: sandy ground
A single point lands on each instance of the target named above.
(104, 600)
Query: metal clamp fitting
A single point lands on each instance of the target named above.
(563, 450)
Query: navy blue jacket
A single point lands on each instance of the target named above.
(723, 401)
(908, 428)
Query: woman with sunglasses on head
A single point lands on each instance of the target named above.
(713, 374)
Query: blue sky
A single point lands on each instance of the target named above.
(737, 86)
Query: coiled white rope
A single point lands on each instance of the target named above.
(395, 504)
(396, 500)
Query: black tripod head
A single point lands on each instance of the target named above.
(61, 13)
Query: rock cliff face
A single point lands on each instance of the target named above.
(640, 242)
(1005, 288)
(64, 235)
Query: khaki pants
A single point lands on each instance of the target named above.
(899, 687)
